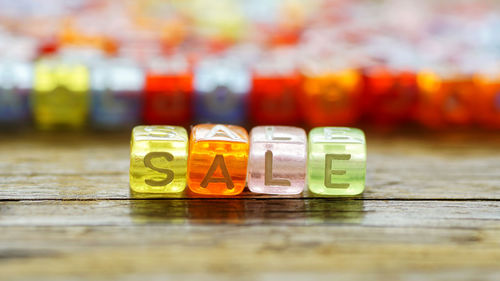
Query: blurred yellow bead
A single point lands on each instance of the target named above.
(60, 94)
(158, 159)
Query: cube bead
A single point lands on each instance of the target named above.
(218, 159)
(277, 160)
(337, 161)
(276, 91)
(117, 87)
(15, 86)
(487, 102)
(390, 96)
(168, 93)
(60, 94)
(158, 159)
(332, 98)
(445, 100)
(167, 99)
(221, 88)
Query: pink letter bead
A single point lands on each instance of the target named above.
(277, 160)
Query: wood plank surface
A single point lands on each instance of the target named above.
(431, 211)
(223, 238)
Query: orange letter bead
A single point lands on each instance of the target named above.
(218, 158)
(447, 98)
(332, 97)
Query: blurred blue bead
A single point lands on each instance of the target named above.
(117, 87)
(221, 89)
(16, 80)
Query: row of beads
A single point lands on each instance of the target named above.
(118, 94)
(222, 159)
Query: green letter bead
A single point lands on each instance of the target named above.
(158, 159)
(337, 161)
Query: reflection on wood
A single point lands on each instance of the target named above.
(247, 211)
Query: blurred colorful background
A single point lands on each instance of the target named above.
(113, 64)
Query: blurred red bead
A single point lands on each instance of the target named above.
(274, 99)
(168, 99)
(487, 101)
(390, 96)
(445, 100)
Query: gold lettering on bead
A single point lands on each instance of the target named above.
(329, 172)
(169, 173)
(268, 175)
(218, 162)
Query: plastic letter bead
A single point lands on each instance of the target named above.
(16, 80)
(276, 86)
(487, 100)
(218, 159)
(337, 161)
(446, 99)
(158, 159)
(60, 94)
(332, 98)
(277, 160)
(116, 94)
(390, 95)
(221, 87)
(168, 92)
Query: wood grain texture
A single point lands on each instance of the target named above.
(431, 211)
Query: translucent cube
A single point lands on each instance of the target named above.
(337, 161)
(158, 159)
(218, 159)
(277, 160)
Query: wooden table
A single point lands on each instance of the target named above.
(431, 211)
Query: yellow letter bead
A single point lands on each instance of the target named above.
(60, 94)
(158, 159)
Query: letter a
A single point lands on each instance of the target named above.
(218, 162)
